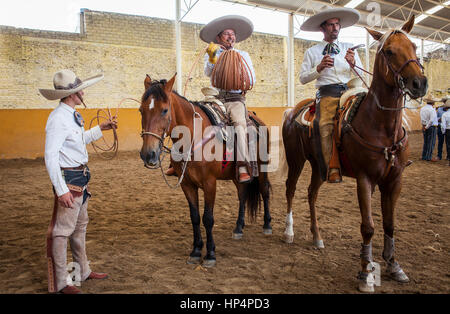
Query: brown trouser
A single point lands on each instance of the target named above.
(67, 223)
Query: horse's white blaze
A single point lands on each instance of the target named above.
(152, 104)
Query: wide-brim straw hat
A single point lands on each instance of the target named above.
(347, 17)
(241, 25)
(429, 99)
(66, 83)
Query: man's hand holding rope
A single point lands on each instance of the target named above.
(111, 123)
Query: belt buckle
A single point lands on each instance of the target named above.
(84, 171)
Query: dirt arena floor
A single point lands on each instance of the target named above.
(140, 233)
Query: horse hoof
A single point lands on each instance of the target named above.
(267, 231)
(366, 287)
(193, 260)
(319, 244)
(209, 263)
(237, 236)
(288, 238)
(366, 282)
(399, 276)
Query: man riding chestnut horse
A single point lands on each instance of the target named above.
(330, 63)
(222, 34)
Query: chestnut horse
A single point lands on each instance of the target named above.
(162, 110)
(375, 145)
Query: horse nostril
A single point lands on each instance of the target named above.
(416, 83)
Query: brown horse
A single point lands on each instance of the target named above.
(375, 144)
(163, 110)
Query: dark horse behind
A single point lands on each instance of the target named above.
(375, 144)
(162, 110)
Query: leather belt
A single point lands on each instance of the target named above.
(82, 167)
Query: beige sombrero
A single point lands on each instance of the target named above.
(241, 25)
(347, 17)
(66, 83)
(428, 99)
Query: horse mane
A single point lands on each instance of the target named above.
(383, 38)
(156, 90)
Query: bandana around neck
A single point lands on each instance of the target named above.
(331, 48)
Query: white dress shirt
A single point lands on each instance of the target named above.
(209, 66)
(428, 116)
(445, 121)
(339, 73)
(65, 144)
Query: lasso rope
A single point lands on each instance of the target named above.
(200, 55)
(114, 147)
(232, 72)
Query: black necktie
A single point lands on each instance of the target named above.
(331, 48)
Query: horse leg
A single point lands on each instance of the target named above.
(295, 169)
(313, 190)
(365, 189)
(191, 193)
(264, 190)
(389, 195)
(240, 223)
(208, 222)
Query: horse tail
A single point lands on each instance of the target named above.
(283, 163)
(253, 199)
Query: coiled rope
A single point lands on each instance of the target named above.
(107, 151)
(232, 72)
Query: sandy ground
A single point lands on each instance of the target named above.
(140, 233)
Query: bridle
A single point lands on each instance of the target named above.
(166, 150)
(398, 79)
(161, 138)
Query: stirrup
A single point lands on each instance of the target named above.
(334, 177)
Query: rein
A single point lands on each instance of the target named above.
(389, 152)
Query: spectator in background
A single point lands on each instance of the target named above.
(440, 134)
(428, 117)
(445, 126)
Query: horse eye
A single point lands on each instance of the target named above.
(164, 112)
(389, 52)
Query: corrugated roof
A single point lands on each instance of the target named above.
(393, 13)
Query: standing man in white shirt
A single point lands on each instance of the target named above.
(66, 160)
(330, 63)
(429, 120)
(445, 126)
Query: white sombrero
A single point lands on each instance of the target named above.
(242, 26)
(66, 83)
(346, 16)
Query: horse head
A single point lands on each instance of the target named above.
(156, 116)
(396, 61)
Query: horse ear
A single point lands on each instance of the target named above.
(169, 85)
(407, 27)
(147, 81)
(376, 35)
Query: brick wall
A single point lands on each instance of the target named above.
(126, 47)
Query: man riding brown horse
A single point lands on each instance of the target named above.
(222, 34)
(327, 63)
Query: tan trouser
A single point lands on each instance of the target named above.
(70, 223)
(236, 111)
(327, 114)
